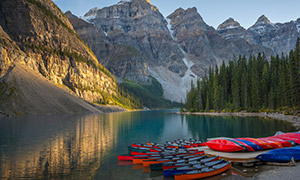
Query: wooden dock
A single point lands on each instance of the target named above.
(239, 157)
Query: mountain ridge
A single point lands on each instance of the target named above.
(36, 34)
(194, 45)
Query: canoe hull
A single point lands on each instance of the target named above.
(284, 155)
(202, 175)
(224, 145)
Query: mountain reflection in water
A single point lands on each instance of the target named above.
(86, 146)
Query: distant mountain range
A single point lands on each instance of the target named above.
(51, 63)
(135, 41)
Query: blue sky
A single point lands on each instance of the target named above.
(214, 12)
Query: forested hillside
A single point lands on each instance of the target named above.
(253, 84)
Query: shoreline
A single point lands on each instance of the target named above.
(294, 120)
(268, 172)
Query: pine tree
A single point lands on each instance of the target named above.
(216, 96)
(255, 85)
(235, 87)
(294, 80)
(265, 85)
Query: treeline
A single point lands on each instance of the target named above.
(150, 96)
(127, 100)
(253, 84)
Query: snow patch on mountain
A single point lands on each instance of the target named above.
(298, 28)
(258, 29)
(170, 28)
(124, 1)
(88, 18)
(175, 87)
(231, 27)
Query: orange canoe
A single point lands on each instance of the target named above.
(146, 163)
(203, 173)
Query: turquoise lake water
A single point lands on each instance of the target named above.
(86, 146)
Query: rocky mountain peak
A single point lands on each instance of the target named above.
(229, 24)
(124, 1)
(189, 18)
(262, 20)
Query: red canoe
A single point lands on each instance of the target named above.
(284, 143)
(262, 144)
(274, 144)
(290, 136)
(224, 145)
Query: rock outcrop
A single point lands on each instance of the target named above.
(232, 30)
(137, 44)
(280, 37)
(38, 35)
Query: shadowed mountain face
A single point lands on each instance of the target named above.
(37, 35)
(280, 37)
(134, 41)
(137, 45)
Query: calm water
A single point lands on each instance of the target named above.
(86, 146)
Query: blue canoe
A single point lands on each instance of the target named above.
(184, 169)
(283, 155)
(251, 144)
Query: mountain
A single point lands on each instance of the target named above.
(40, 53)
(138, 45)
(232, 30)
(204, 44)
(280, 37)
(136, 42)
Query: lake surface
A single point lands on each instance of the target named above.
(86, 146)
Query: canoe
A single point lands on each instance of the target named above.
(170, 150)
(205, 172)
(146, 163)
(184, 169)
(188, 163)
(262, 144)
(283, 155)
(292, 136)
(225, 145)
(141, 160)
(138, 149)
(254, 146)
(274, 144)
(159, 166)
(244, 144)
(292, 140)
(130, 157)
(156, 153)
(284, 143)
(145, 146)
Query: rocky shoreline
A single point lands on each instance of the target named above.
(268, 172)
(295, 120)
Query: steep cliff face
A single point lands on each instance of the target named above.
(138, 45)
(122, 60)
(38, 35)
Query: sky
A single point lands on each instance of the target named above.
(214, 12)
